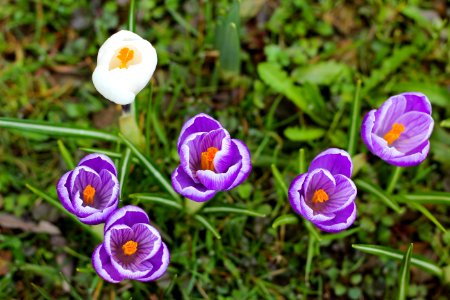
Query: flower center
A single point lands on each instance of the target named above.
(130, 247)
(394, 133)
(125, 56)
(88, 195)
(320, 196)
(207, 159)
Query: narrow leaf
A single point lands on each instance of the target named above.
(416, 260)
(56, 129)
(355, 123)
(298, 134)
(427, 214)
(156, 199)
(207, 225)
(376, 191)
(66, 155)
(437, 198)
(285, 220)
(123, 172)
(149, 166)
(235, 210)
(279, 179)
(403, 282)
(340, 235)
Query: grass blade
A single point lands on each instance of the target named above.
(279, 179)
(56, 130)
(225, 209)
(66, 155)
(416, 261)
(156, 199)
(208, 226)
(309, 257)
(132, 16)
(340, 235)
(123, 172)
(393, 180)
(59, 206)
(403, 282)
(149, 166)
(427, 214)
(285, 220)
(368, 187)
(301, 161)
(354, 122)
(437, 198)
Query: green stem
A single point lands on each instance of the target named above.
(393, 180)
(355, 120)
(301, 165)
(132, 16)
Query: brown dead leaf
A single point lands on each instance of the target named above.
(13, 222)
(5, 259)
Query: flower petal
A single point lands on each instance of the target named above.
(127, 215)
(100, 216)
(417, 102)
(159, 263)
(101, 262)
(344, 193)
(246, 167)
(115, 237)
(148, 239)
(108, 193)
(98, 162)
(367, 129)
(413, 158)
(342, 221)
(388, 114)
(185, 186)
(336, 161)
(63, 192)
(418, 127)
(219, 181)
(199, 123)
(295, 192)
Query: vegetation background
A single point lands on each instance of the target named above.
(280, 75)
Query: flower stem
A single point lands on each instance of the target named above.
(301, 163)
(393, 180)
(354, 122)
(132, 16)
(192, 206)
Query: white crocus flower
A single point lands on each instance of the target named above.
(125, 64)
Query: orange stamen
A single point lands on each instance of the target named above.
(130, 247)
(394, 133)
(207, 159)
(320, 196)
(125, 56)
(88, 195)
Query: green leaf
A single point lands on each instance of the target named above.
(427, 214)
(234, 210)
(66, 155)
(276, 78)
(111, 154)
(303, 134)
(123, 171)
(279, 179)
(207, 225)
(325, 72)
(285, 220)
(437, 198)
(403, 282)
(445, 123)
(376, 191)
(340, 235)
(55, 129)
(156, 199)
(416, 260)
(437, 94)
(59, 206)
(355, 123)
(227, 40)
(149, 166)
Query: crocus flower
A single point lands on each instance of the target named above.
(132, 248)
(91, 190)
(398, 131)
(325, 194)
(210, 161)
(125, 64)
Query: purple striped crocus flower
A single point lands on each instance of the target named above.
(132, 248)
(398, 131)
(210, 160)
(91, 190)
(325, 195)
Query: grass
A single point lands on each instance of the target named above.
(286, 79)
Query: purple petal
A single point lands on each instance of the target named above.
(246, 167)
(98, 162)
(100, 216)
(336, 161)
(413, 158)
(367, 129)
(344, 193)
(295, 192)
(417, 102)
(115, 237)
(127, 215)
(159, 263)
(219, 181)
(418, 128)
(185, 186)
(101, 262)
(199, 123)
(388, 114)
(108, 193)
(148, 239)
(63, 192)
(316, 180)
(81, 178)
(342, 221)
